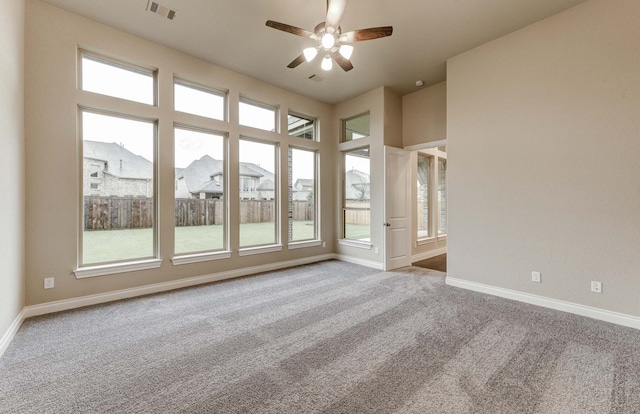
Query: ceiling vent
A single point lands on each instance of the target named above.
(315, 78)
(160, 10)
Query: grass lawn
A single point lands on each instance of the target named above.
(115, 245)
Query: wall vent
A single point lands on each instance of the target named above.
(315, 77)
(160, 10)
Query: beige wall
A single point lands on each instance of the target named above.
(52, 188)
(11, 162)
(544, 142)
(424, 115)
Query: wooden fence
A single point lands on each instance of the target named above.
(110, 213)
(357, 212)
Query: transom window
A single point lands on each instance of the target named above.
(258, 115)
(117, 79)
(356, 127)
(199, 100)
(301, 126)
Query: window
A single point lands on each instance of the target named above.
(119, 220)
(424, 196)
(302, 195)
(356, 128)
(356, 206)
(257, 115)
(258, 193)
(199, 100)
(300, 126)
(120, 80)
(442, 196)
(199, 206)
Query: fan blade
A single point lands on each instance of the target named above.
(366, 34)
(295, 62)
(335, 10)
(290, 29)
(345, 64)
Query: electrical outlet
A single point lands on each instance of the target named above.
(596, 287)
(376, 250)
(48, 283)
(535, 277)
(324, 244)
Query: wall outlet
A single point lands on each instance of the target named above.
(48, 283)
(596, 287)
(535, 277)
(376, 250)
(324, 244)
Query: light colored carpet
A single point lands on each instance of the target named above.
(331, 337)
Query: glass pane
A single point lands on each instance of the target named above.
(356, 128)
(301, 127)
(302, 223)
(258, 116)
(442, 195)
(117, 80)
(258, 209)
(199, 192)
(423, 219)
(118, 189)
(357, 215)
(198, 101)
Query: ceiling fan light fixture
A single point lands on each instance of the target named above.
(310, 53)
(328, 41)
(346, 51)
(326, 64)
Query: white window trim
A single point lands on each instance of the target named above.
(200, 257)
(355, 243)
(206, 89)
(304, 244)
(110, 269)
(276, 113)
(249, 251)
(427, 240)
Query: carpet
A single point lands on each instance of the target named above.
(330, 337)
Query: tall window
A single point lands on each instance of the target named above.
(258, 115)
(357, 195)
(424, 196)
(442, 196)
(302, 195)
(199, 100)
(301, 126)
(118, 220)
(120, 80)
(199, 206)
(356, 127)
(258, 193)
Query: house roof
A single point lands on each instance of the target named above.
(120, 161)
(304, 182)
(197, 174)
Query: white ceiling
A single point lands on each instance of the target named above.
(232, 33)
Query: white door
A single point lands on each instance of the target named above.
(397, 208)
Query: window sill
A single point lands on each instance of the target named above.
(110, 269)
(428, 240)
(199, 257)
(259, 250)
(442, 237)
(355, 243)
(303, 244)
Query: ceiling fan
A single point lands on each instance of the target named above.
(331, 41)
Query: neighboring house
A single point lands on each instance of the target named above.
(112, 170)
(203, 178)
(357, 185)
(301, 189)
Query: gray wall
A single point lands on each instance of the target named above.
(11, 162)
(544, 146)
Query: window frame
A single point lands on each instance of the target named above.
(213, 254)
(343, 239)
(109, 60)
(206, 89)
(126, 265)
(436, 156)
(343, 128)
(253, 102)
(315, 240)
(314, 126)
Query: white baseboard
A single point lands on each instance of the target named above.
(74, 303)
(11, 332)
(428, 255)
(361, 262)
(582, 310)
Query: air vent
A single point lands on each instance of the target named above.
(160, 10)
(315, 78)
